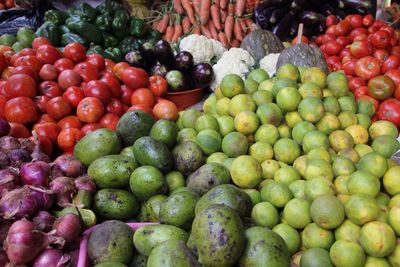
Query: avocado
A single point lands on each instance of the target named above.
(138, 260)
(207, 177)
(115, 204)
(152, 152)
(150, 210)
(264, 247)
(165, 131)
(188, 157)
(191, 244)
(127, 151)
(96, 144)
(112, 171)
(178, 209)
(111, 241)
(110, 264)
(133, 125)
(172, 253)
(149, 236)
(219, 236)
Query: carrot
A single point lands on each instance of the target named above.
(222, 13)
(239, 8)
(178, 31)
(222, 39)
(178, 6)
(186, 25)
(212, 29)
(154, 25)
(169, 33)
(229, 27)
(196, 6)
(214, 10)
(235, 43)
(163, 24)
(237, 30)
(242, 25)
(196, 30)
(187, 6)
(250, 24)
(205, 31)
(205, 11)
(231, 9)
(223, 4)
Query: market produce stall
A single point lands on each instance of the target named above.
(287, 159)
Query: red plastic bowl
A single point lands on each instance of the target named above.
(185, 99)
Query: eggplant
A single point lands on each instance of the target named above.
(175, 80)
(320, 26)
(327, 10)
(148, 51)
(282, 29)
(298, 5)
(183, 61)
(159, 69)
(294, 28)
(262, 15)
(269, 3)
(164, 53)
(358, 4)
(340, 14)
(277, 15)
(202, 75)
(308, 17)
(337, 3)
(135, 58)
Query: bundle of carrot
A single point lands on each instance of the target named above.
(223, 20)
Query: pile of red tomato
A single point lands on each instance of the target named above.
(62, 96)
(368, 51)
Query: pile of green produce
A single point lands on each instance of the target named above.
(23, 39)
(275, 171)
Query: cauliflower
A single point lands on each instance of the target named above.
(268, 63)
(236, 60)
(202, 49)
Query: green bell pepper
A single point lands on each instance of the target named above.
(121, 14)
(113, 53)
(120, 28)
(55, 16)
(104, 23)
(85, 29)
(64, 29)
(86, 12)
(152, 34)
(137, 27)
(70, 11)
(110, 40)
(95, 49)
(50, 31)
(128, 44)
(70, 37)
(107, 8)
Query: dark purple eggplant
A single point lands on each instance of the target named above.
(277, 15)
(357, 4)
(175, 80)
(327, 10)
(159, 69)
(202, 75)
(320, 26)
(135, 58)
(164, 53)
(148, 51)
(308, 17)
(268, 3)
(294, 28)
(183, 61)
(298, 5)
(337, 3)
(282, 29)
(262, 15)
(340, 14)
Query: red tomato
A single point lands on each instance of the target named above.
(73, 95)
(342, 28)
(361, 37)
(396, 51)
(387, 28)
(349, 67)
(19, 130)
(333, 48)
(331, 30)
(380, 39)
(96, 60)
(110, 121)
(344, 52)
(38, 41)
(390, 110)
(30, 61)
(304, 40)
(99, 89)
(394, 75)
(135, 78)
(113, 84)
(48, 73)
(356, 32)
(41, 102)
(363, 90)
(381, 55)
(159, 86)
(142, 108)
(70, 122)
(26, 70)
(45, 145)
(368, 20)
(119, 68)
(319, 40)
(48, 129)
(69, 78)
(381, 87)
(50, 89)
(343, 40)
(109, 65)
(3, 62)
(90, 127)
(126, 94)
(67, 138)
(27, 52)
(356, 21)
(328, 37)
(367, 68)
(337, 66)
(165, 110)
(361, 49)
(331, 20)
(115, 106)
(375, 26)
(58, 108)
(45, 118)
(21, 109)
(3, 101)
(63, 64)
(397, 92)
(20, 85)
(87, 71)
(356, 82)
(48, 54)
(90, 109)
(393, 62)
(142, 96)
(330, 60)
(75, 51)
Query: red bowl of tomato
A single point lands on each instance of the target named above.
(185, 99)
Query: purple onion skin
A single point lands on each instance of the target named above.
(68, 226)
(4, 161)
(43, 221)
(69, 166)
(51, 258)
(64, 188)
(18, 203)
(85, 183)
(4, 128)
(27, 144)
(4, 227)
(9, 143)
(4, 259)
(9, 180)
(44, 199)
(18, 156)
(35, 173)
(74, 257)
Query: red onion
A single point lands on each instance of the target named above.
(43, 221)
(51, 258)
(68, 226)
(85, 183)
(4, 227)
(35, 173)
(24, 243)
(4, 128)
(9, 143)
(37, 154)
(18, 156)
(27, 144)
(69, 166)
(4, 161)
(3, 259)
(44, 198)
(18, 203)
(8, 181)
(64, 188)
(74, 256)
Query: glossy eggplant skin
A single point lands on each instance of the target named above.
(262, 15)
(327, 10)
(282, 29)
(309, 17)
(276, 16)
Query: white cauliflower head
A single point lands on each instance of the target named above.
(268, 63)
(202, 49)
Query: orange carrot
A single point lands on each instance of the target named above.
(222, 39)
(242, 25)
(214, 10)
(178, 6)
(162, 26)
(222, 13)
(231, 9)
(229, 27)
(205, 31)
(187, 6)
(196, 30)
(178, 31)
(196, 6)
(186, 24)
(216, 2)
(239, 7)
(212, 29)
(223, 4)
(169, 33)
(154, 25)
(237, 30)
(235, 43)
(205, 11)
(250, 24)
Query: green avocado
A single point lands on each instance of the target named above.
(133, 125)
(188, 157)
(172, 253)
(115, 204)
(152, 152)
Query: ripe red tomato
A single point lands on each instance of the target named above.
(135, 78)
(142, 96)
(3, 101)
(70, 122)
(48, 73)
(90, 109)
(356, 82)
(115, 106)
(159, 85)
(50, 89)
(330, 60)
(361, 37)
(90, 127)
(390, 110)
(38, 41)
(69, 78)
(381, 87)
(343, 40)
(344, 52)
(87, 71)
(356, 21)
(389, 29)
(75, 51)
(99, 89)
(110, 121)
(396, 51)
(47, 129)
(48, 54)
(368, 20)
(331, 20)
(333, 48)
(3, 62)
(393, 62)
(31, 61)
(45, 118)
(45, 145)
(109, 64)
(41, 102)
(375, 26)
(361, 49)
(21, 109)
(126, 94)
(63, 64)
(380, 39)
(331, 30)
(394, 75)
(367, 68)
(113, 84)
(67, 138)
(349, 67)
(342, 28)
(26, 70)
(337, 66)
(165, 110)
(119, 68)
(397, 92)
(356, 32)
(96, 60)
(58, 108)
(146, 109)
(381, 55)
(363, 90)
(73, 95)
(19, 130)
(20, 85)
(328, 37)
